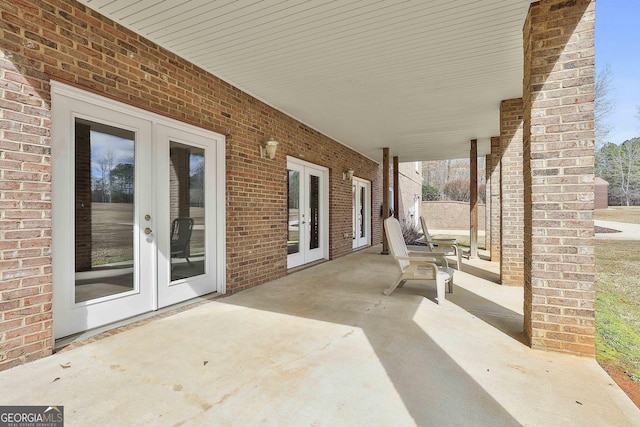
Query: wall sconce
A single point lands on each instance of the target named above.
(347, 175)
(268, 150)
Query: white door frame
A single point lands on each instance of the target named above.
(69, 103)
(360, 241)
(306, 255)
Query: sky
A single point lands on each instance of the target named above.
(617, 43)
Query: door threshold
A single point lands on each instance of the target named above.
(305, 266)
(95, 334)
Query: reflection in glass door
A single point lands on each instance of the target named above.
(186, 210)
(186, 177)
(307, 225)
(104, 210)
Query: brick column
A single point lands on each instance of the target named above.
(487, 202)
(512, 190)
(559, 190)
(494, 198)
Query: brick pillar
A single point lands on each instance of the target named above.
(512, 193)
(83, 197)
(559, 185)
(487, 202)
(494, 195)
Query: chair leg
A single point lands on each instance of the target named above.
(440, 289)
(393, 287)
(189, 262)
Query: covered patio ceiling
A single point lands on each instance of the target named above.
(422, 77)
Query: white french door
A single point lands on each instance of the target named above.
(308, 212)
(121, 176)
(361, 215)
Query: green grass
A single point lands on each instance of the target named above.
(617, 305)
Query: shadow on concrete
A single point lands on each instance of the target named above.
(434, 388)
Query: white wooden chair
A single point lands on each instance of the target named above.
(445, 246)
(416, 265)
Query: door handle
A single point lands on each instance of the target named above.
(148, 230)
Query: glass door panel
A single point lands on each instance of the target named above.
(187, 210)
(361, 190)
(104, 210)
(314, 212)
(293, 221)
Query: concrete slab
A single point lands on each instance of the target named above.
(627, 231)
(325, 347)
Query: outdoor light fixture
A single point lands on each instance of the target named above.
(347, 175)
(268, 151)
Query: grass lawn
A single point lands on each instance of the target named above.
(617, 307)
(629, 214)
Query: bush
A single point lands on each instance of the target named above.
(410, 232)
(457, 189)
(430, 193)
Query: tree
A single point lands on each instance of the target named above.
(106, 164)
(603, 105)
(620, 165)
(122, 180)
(430, 193)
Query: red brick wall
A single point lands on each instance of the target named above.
(63, 40)
(559, 176)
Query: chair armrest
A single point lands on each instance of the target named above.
(445, 241)
(435, 256)
(415, 262)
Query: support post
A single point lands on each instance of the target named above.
(385, 197)
(396, 189)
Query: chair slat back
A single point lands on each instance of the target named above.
(397, 246)
(427, 237)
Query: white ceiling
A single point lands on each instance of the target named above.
(422, 77)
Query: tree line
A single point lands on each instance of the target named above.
(618, 164)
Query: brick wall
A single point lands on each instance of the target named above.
(559, 171)
(448, 215)
(512, 193)
(63, 40)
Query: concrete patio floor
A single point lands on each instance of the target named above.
(324, 347)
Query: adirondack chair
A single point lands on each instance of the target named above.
(445, 246)
(416, 265)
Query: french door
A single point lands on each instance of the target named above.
(308, 212)
(361, 215)
(121, 178)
